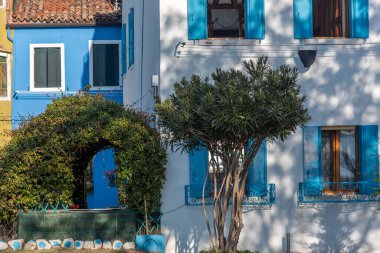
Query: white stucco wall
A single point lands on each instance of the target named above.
(137, 82)
(343, 88)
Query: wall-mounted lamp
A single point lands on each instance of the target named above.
(155, 81)
(307, 57)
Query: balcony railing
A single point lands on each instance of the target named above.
(335, 192)
(258, 194)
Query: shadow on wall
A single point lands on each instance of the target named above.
(343, 88)
(353, 226)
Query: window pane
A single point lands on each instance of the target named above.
(3, 77)
(225, 19)
(347, 156)
(54, 67)
(330, 18)
(105, 65)
(47, 67)
(327, 157)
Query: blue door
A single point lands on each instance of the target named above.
(103, 193)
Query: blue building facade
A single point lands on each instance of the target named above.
(59, 59)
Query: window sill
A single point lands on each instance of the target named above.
(105, 88)
(333, 41)
(45, 90)
(228, 42)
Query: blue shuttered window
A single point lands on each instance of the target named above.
(197, 19)
(123, 49)
(312, 148)
(131, 37)
(255, 21)
(359, 23)
(368, 157)
(257, 175)
(303, 19)
(198, 171)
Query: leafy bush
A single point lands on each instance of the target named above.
(46, 159)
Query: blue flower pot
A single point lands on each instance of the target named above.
(150, 243)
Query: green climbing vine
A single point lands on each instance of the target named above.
(47, 157)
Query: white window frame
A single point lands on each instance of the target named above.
(91, 71)
(61, 46)
(4, 4)
(8, 59)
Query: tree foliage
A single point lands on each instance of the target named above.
(230, 115)
(46, 159)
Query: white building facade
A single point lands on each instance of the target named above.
(323, 174)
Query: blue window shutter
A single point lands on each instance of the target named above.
(131, 37)
(257, 175)
(255, 19)
(197, 19)
(198, 171)
(368, 157)
(312, 162)
(303, 19)
(123, 49)
(359, 22)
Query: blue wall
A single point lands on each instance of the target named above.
(76, 41)
(25, 103)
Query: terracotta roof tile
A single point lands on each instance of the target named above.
(97, 12)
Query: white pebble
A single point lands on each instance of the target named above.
(117, 245)
(3, 245)
(107, 245)
(55, 243)
(16, 244)
(129, 245)
(31, 245)
(68, 243)
(79, 244)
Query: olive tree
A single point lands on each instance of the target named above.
(231, 114)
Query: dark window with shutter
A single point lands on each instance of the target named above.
(105, 65)
(3, 77)
(331, 18)
(47, 67)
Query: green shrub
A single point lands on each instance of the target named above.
(46, 159)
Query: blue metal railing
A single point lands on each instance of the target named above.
(334, 192)
(258, 194)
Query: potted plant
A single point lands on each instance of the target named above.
(149, 242)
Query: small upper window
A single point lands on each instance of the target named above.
(3, 77)
(331, 18)
(2, 3)
(225, 19)
(105, 66)
(47, 67)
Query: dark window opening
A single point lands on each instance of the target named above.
(331, 18)
(3, 77)
(225, 20)
(105, 65)
(340, 159)
(47, 67)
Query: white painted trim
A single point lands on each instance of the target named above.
(333, 41)
(31, 59)
(8, 59)
(91, 57)
(4, 4)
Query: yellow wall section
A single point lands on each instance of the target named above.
(5, 105)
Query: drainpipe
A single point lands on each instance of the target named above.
(142, 53)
